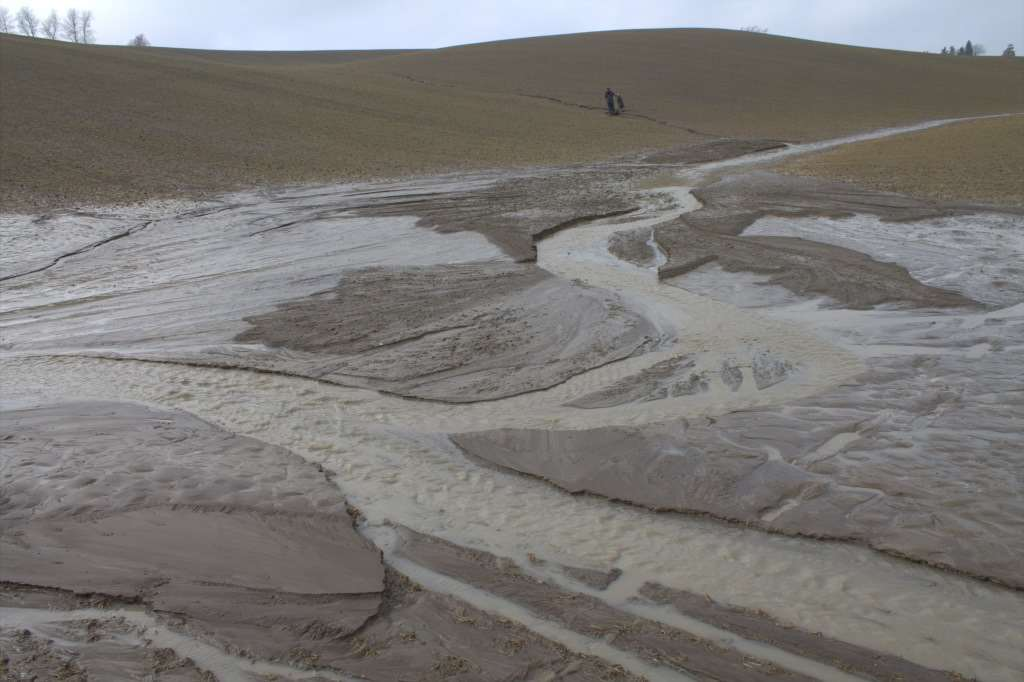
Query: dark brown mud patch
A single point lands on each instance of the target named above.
(93, 649)
(513, 213)
(226, 539)
(666, 379)
(806, 268)
(649, 640)
(673, 467)
(458, 333)
(889, 460)
(713, 150)
(760, 626)
(732, 203)
(244, 540)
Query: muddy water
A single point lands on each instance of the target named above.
(182, 285)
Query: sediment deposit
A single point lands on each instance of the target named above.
(581, 423)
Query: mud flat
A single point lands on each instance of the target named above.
(712, 150)
(886, 460)
(459, 333)
(806, 266)
(705, 658)
(883, 605)
(117, 511)
(513, 213)
(96, 644)
(593, 440)
(927, 374)
(119, 500)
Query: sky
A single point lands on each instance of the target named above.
(915, 25)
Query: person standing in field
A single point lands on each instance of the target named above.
(609, 98)
(618, 99)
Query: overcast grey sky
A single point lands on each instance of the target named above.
(363, 24)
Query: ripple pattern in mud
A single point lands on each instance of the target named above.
(928, 616)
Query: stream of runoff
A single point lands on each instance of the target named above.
(179, 286)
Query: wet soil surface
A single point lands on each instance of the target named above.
(91, 649)
(228, 540)
(587, 614)
(713, 150)
(712, 234)
(513, 213)
(760, 626)
(458, 333)
(162, 508)
(702, 657)
(816, 377)
(890, 459)
(806, 268)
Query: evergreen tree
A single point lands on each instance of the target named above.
(1009, 51)
(969, 49)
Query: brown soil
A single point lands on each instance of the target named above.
(713, 150)
(897, 499)
(972, 161)
(89, 650)
(641, 465)
(807, 268)
(457, 333)
(760, 626)
(514, 213)
(733, 203)
(729, 83)
(225, 538)
(655, 641)
(101, 124)
(121, 500)
(98, 124)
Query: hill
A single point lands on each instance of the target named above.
(732, 83)
(980, 160)
(96, 124)
(280, 58)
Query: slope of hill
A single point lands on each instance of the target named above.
(732, 82)
(284, 58)
(979, 160)
(92, 124)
